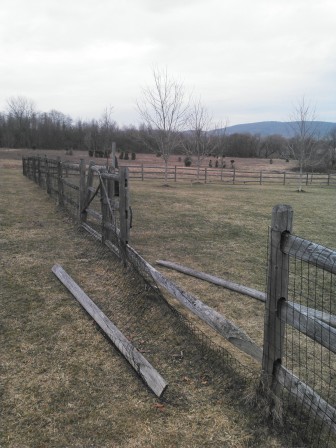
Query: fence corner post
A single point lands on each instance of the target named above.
(277, 292)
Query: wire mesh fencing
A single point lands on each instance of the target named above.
(300, 333)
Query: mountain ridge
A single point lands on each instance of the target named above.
(283, 128)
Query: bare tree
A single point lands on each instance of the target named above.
(22, 115)
(164, 111)
(303, 143)
(108, 127)
(204, 137)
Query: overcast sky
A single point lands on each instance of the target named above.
(248, 60)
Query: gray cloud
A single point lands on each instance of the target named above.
(247, 60)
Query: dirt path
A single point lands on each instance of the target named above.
(63, 384)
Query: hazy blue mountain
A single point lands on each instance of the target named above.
(283, 128)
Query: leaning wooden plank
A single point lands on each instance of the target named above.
(146, 371)
(323, 333)
(312, 253)
(214, 319)
(255, 294)
(306, 395)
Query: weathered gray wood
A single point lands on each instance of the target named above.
(89, 193)
(312, 253)
(70, 184)
(124, 206)
(277, 288)
(105, 175)
(214, 319)
(106, 216)
(329, 319)
(59, 181)
(91, 231)
(82, 192)
(47, 174)
(312, 313)
(255, 294)
(113, 248)
(310, 326)
(307, 396)
(72, 166)
(145, 370)
(94, 213)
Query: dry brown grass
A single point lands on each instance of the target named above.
(62, 382)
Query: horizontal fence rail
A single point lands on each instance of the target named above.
(178, 173)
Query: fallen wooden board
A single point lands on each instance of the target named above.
(146, 371)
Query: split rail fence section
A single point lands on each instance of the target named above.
(299, 353)
(298, 358)
(97, 196)
(228, 176)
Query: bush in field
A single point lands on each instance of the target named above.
(126, 155)
(187, 161)
(121, 156)
(133, 156)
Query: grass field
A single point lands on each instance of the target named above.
(63, 385)
(224, 232)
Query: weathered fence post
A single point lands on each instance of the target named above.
(82, 191)
(124, 210)
(175, 174)
(105, 209)
(205, 175)
(60, 181)
(277, 291)
(39, 173)
(88, 191)
(284, 181)
(34, 170)
(260, 181)
(142, 172)
(47, 174)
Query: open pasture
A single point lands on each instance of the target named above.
(223, 231)
(63, 385)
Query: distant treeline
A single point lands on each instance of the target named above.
(21, 126)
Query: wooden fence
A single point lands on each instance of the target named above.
(102, 197)
(313, 328)
(97, 196)
(228, 176)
